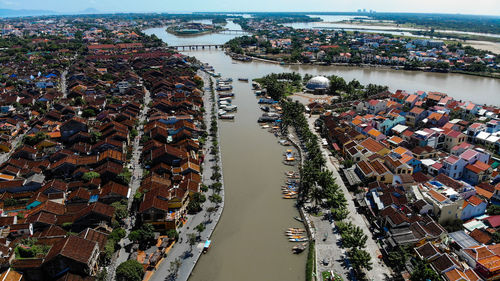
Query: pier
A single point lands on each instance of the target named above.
(196, 47)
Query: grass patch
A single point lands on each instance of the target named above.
(311, 262)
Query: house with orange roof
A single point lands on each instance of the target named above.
(415, 115)
(446, 203)
(376, 135)
(374, 147)
(477, 172)
(473, 207)
(437, 119)
(485, 260)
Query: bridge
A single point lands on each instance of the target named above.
(232, 31)
(196, 47)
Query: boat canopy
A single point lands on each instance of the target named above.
(207, 243)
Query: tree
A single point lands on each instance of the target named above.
(174, 266)
(121, 210)
(354, 238)
(423, 272)
(130, 270)
(173, 234)
(191, 240)
(88, 176)
(33, 140)
(360, 259)
(493, 210)
(340, 214)
(143, 235)
(200, 228)
(397, 258)
(89, 112)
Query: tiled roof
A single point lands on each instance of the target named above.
(73, 247)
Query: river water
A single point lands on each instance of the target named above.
(248, 243)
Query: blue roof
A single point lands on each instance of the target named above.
(93, 198)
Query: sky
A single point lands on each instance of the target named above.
(484, 7)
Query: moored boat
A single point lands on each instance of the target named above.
(243, 79)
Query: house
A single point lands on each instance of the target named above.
(452, 139)
(74, 254)
(415, 116)
(453, 166)
(473, 207)
(485, 260)
(477, 172)
(73, 126)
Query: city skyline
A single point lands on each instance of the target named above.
(480, 7)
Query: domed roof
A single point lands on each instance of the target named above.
(318, 82)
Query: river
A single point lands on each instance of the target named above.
(248, 243)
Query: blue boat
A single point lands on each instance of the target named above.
(206, 246)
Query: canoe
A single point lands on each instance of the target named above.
(297, 239)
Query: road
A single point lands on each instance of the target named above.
(64, 88)
(135, 182)
(182, 249)
(379, 271)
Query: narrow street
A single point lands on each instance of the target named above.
(135, 182)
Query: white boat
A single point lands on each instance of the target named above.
(226, 116)
(230, 108)
(222, 112)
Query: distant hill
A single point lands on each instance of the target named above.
(25, 13)
(4, 13)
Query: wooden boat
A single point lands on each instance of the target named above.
(296, 236)
(299, 248)
(297, 239)
(243, 79)
(226, 116)
(298, 219)
(295, 229)
(290, 197)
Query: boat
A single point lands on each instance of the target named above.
(206, 246)
(224, 88)
(296, 236)
(230, 107)
(298, 219)
(228, 99)
(243, 79)
(226, 116)
(297, 239)
(226, 95)
(289, 163)
(299, 248)
(255, 85)
(221, 112)
(259, 93)
(289, 196)
(265, 108)
(225, 80)
(295, 228)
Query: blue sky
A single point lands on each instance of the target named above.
(489, 7)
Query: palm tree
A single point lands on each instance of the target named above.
(360, 259)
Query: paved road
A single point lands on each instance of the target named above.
(64, 88)
(379, 271)
(182, 249)
(135, 182)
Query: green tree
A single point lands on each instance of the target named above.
(423, 272)
(493, 210)
(173, 234)
(88, 176)
(121, 210)
(144, 235)
(130, 270)
(360, 259)
(200, 228)
(89, 112)
(192, 240)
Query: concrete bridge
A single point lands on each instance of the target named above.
(196, 47)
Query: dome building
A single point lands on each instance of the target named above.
(318, 83)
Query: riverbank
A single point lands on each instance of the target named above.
(379, 66)
(189, 255)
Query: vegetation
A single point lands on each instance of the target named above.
(194, 205)
(423, 272)
(280, 85)
(311, 262)
(130, 270)
(33, 140)
(144, 235)
(28, 248)
(88, 176)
